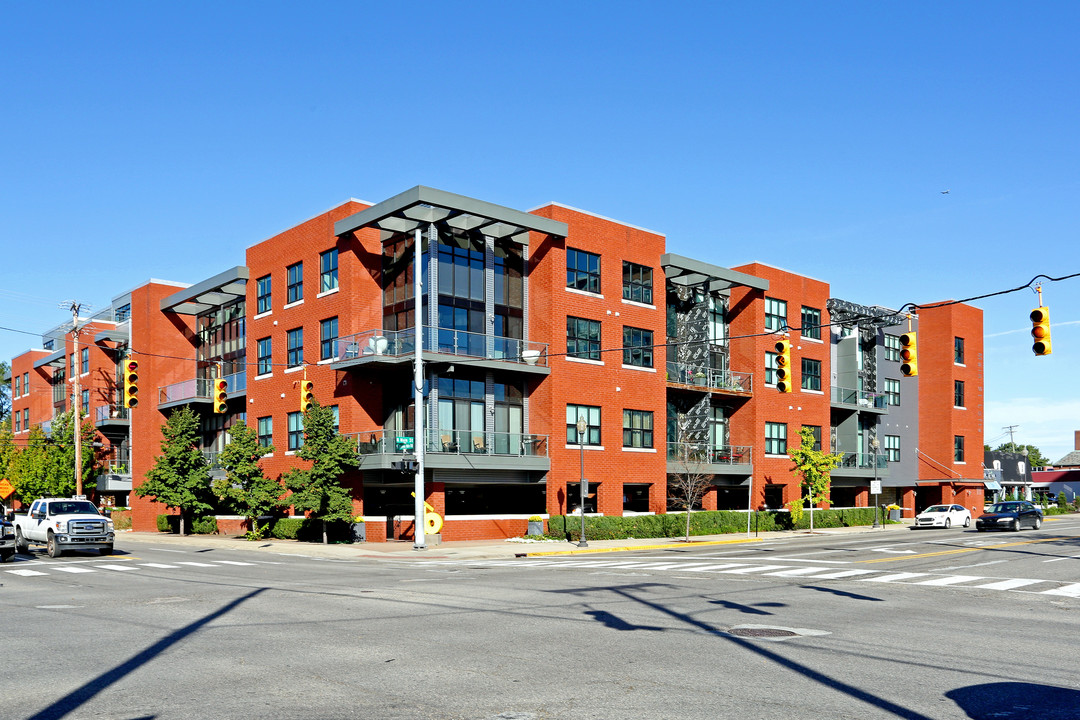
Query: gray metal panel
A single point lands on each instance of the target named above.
(421, 195)
(57, 358)
(471, 361)
(114, 483)
(212, 292)
(115, 334)
(685, 271)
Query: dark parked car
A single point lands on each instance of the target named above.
(1012, 515)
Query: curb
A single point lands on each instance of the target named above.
(626, 548)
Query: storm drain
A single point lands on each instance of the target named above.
(761, 633)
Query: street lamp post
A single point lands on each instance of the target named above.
(874, 444)
(582, 426)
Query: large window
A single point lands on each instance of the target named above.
(636, 283)
(637, 347)
(637, 428)
(892, 391)
(958, 393)
(294, 290)
(892, 347)
(892, 448)
(266, 363)
(17, 392)
(327, 338)
(296, 431)
(582, 270)
(775, 314)
(958, 448)
(295, 351)
(592, 422)
(770, 367)
(328, 270)
(958, 350)
(811, 323)
(26, 383)
(84, 361)
(266, 431)
(26, 418)
(811, 374)
(262, 294)
(775, 438)
(583, 338)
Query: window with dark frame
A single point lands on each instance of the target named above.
(262, 295)
(328, 335)
(811, 323)
(775, 438)
(296, 431)
(637, 283)
(958, 350)
(958, 448)
(775, 314)
(583, 338)
(811, 374)
(958, 393)
(637, 347)
(84, 361)
(770, 367)
(295, 348)
(637, 428)
(266, 431)
(892, 391)
(591, 414)
(892, 347)
(328, 267)
(583, 270)
(816, 430)
(294, 289)
(892, 448)
(263, 354)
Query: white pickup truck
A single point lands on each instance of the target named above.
(64, 524)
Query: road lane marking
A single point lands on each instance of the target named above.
(962, 550)
(950, 580)
(73, 569)
(195, 564)
(714, 567)
(1071, 590)
(752, 568)
(842, 574)
(160, 565)
(117, 567)
(232, 562)
(1007, 584)
(895, 577)
(25, 573)
(797, 571)
(962, 567)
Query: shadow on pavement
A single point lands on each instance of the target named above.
(1016, 700)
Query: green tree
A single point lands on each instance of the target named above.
(63, 451)
(34, 471)
(815, 468)
(1035, 457)
(245, 489)
(318, 490)
(180, 477)
(5, 391)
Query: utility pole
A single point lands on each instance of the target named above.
(75, 306)
(1009, 429)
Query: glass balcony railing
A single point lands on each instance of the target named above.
(104, 413)
(193, 389)
(117, 462)
(213, 459)
(705, 454)
(458, 442)
(862, 461)
(397, 343)
(711, 378)
(858, 398)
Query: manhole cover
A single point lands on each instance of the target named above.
(761, 632)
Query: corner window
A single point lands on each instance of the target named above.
(637, 347)
(775, 438)
(637, 428)
(811, 323)
(637, 283)
(294, 290)
(592, 424)
(582, 270)
(262, 294)
(328, 270)
(775, 314)
(811, 374)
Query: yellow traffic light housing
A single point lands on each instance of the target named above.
(221, 395)
(909, 365)
(1040, 330)
(307, 395)
(131, 383)
(785, 378)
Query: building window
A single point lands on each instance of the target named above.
(17, 392)
(816, 430)
(26, 418)
(26, 383)
(582, 270)
(328, 270)
(327, 338)
(958, 350)
(637, 428)
(592, 421)
(18, 422)
(958, 393)
(84, 400)
(811, 323)
(775, 314)
(266, 431)
(294, 289)
(811, 374)
(583, 338)
(262, 294)
(48, 344)
(892, 347)
(72, 362)
(770, 367)
(775, 438)
(336, 412)
(892, 448)
(266, 365)
(958, 448)
(892, 392)
(296, 430)
(637, 347)
(636, 283)
(84, 361)
(122, 313)
(294, 356)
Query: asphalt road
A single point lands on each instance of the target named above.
(921, 624)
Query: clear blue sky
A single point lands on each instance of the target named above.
(161, 139)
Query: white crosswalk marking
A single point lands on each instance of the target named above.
(751, 569)
(1071, 590)
(950, 580)
(160, 565)
(895, 577)
(230, 562)
(1008, 584)
(195, 564)
(794, 572)
(73, 569)
(713, 568)
(842, 574)
(25, 573)
(117, 567)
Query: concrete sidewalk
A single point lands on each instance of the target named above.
(469, 550)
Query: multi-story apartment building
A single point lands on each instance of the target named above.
(531, 324)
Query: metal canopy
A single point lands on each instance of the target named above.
(219, 290)
(56, 359)
(684, 271)
(423, 205)
(849, 313)
(114, 334)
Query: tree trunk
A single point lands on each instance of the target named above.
(687, 539)
(324, 538)
(181, 524)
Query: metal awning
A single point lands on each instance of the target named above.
(117, 333)
(679, 270)
(992, 484)
(422, 205)
(56, 359)
(219, 290)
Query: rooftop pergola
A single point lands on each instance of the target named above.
(688, 273)
(211, 293)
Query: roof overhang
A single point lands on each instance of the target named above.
(422, 205)
(219, 290)
(118, 333)
(684, 271)
(55, 359)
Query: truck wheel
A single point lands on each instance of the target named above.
(107, 550)
(4, 557)
(54, 547)
(21, 546)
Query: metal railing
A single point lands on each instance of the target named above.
(865, 461)
(396, 343)
(705, 454)
(117, 462)
(712, 378)
(457, 442)
(213, 459)
(195, 388)
(858, 398)
(110, 412)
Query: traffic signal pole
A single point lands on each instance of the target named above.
(418, 394)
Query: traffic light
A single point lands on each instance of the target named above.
(785, 379)
(909, 366)
(1040, 330)
(307, 395)
(221, 395)
(131, 383)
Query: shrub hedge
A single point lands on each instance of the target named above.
(706, 522)
(198, 526)
(308, 530)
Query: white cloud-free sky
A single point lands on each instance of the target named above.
(160, 139)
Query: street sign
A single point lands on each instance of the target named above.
(875, 487)
(6, 488)
(404, 443)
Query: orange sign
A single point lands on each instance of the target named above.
(6, 488)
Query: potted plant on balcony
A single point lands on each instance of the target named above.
(536, 525)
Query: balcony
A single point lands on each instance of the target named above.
(111, 417)
(396, 347)
(683, 457)
(862, 465)
(448, 449)
(862, 400)
(707, 379)
(199, 390)
(115, 475)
